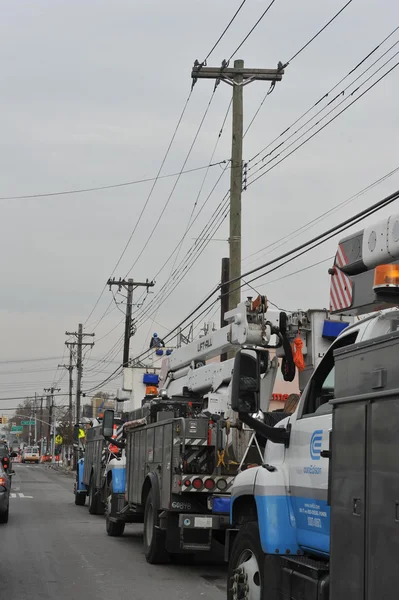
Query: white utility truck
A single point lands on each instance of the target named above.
(319, 519)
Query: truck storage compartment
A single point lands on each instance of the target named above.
(365, 472)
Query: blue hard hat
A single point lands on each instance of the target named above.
(155, 335)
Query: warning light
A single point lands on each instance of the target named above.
(386, 277)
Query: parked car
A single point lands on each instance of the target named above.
(31, 454)
(5, 487)
(5, 459)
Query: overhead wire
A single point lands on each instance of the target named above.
(111, 186)
(146, 201)
(297, 54)
(189, 223)
(252, 29)
(223, 32)
(251, 181)
(175, 184)
(327, 94)
(309, 224)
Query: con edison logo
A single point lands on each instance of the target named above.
(315, 444)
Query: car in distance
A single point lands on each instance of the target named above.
(31, 454)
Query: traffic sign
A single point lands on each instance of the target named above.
(58, 439)
(27, 422)
(16, 428)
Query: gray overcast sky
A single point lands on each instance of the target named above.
(91, 93)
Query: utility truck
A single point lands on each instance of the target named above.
(97, 457)
(182, 449)
(318, 520)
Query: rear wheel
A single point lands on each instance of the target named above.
(80, 499)
(245, 574)
(154, 537)
(95, 505)
(114, 529)
(182, 559)
(4, 515)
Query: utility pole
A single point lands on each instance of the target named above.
(79, 365)
(130, 285)
(237, 77)
(52, 420)
(224, 297)
(69, 368)
(34, 416)
(41, 421)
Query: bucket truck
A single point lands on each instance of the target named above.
(183, 448)
(318, 520)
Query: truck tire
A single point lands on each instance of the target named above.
(4, 515)
(113, 529)
(182, 559)
(96, 507)
(154, 538)
(246, 565)
(80, 499)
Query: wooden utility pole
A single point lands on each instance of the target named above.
(237, 77)
(224, 296)
(130, 285)
(69, 368)
(52, 421)
(79, 364)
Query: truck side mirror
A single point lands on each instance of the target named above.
(76, 433)
(245, 385)
(107, 427)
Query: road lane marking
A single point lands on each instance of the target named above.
(20, 495)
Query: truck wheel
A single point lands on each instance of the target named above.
(94, 500)
(113, 529)
(80, 499)
(4, 516)
(245, 574)
(154, 538)
(182, 559)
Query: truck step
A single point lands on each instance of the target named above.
(195, 547)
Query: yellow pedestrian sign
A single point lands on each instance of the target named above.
(58, 439)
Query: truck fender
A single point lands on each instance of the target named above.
(80, 486)
(276, 520)
(242, 497)
(151, 482)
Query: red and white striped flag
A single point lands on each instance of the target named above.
(341, 285)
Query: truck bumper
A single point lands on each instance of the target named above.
(196, 530)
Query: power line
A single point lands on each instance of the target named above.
(253, 29)
(224, 32)
(333, 230)
(25, 360)
(317, 34)
(111, 186)
(175, 184)
(147, 200)
(190, 222)
(293, 234)
(337, 96)
(325, 95)
(323, 127)
(316, 264)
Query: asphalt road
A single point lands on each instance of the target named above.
(51, 548)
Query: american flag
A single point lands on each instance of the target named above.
(341, 285)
